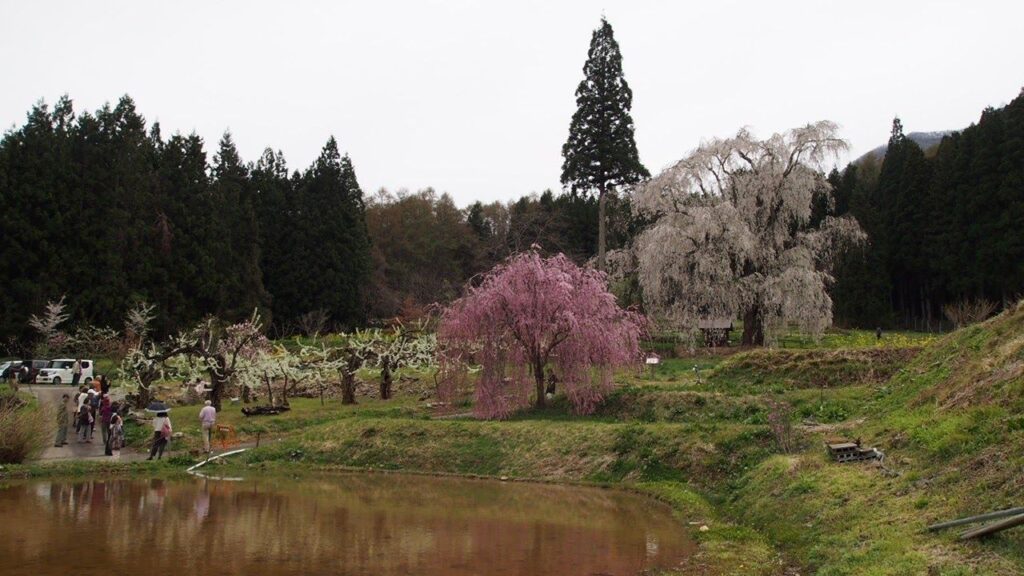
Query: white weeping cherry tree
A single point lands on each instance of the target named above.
(732, 234)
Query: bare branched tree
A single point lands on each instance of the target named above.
(966, 312)
(52, 338)
(732, 234)
(136, 323)
(313, 323)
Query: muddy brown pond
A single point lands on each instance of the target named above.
(345, 524)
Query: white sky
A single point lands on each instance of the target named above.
(474, 98)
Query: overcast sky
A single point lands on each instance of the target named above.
(474, 98)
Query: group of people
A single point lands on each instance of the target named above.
(163, 430)
(91, 407)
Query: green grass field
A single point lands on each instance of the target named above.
(946, 411)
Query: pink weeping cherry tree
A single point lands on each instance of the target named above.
(531, 313)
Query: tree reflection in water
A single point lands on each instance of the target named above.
(348, 524)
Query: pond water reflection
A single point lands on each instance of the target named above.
(345, 524)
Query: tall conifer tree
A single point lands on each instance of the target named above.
(273, 197)
(242, 288)
(600, 153)
(331, 261)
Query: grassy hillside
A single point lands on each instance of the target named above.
(788, 369)
(695, 432)
(952, 424)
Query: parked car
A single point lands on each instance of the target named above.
(29, 369)
(7, 367)
(58, 372)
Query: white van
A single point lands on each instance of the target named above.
(58, 372)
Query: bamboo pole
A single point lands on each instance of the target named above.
(979, 518)
(217, 457)
(994, 527)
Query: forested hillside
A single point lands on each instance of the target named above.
(926, 140)
(942, 229)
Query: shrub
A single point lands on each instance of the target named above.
(24, 430)
(779, 415)
(966, 312)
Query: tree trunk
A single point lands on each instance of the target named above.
(385, 382)
(218, 382)
(538, 375)
(753, 329)
(602, 228)
(143, 396)
(348, 388)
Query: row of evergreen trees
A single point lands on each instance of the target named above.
(100, 209)
(945, 225)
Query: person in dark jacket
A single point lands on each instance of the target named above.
(63, 421)
(94, 405)
(105, 411)
(115, 437)
(85, 423)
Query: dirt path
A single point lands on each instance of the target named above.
(74, 450)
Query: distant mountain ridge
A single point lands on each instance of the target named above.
(923, 139)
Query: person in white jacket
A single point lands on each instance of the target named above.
(161, 435)
(207, 419)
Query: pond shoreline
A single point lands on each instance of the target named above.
(723, 547)
(366, 523)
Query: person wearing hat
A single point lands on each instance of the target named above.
(161, 435)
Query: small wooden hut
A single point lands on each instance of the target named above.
(716, 331)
